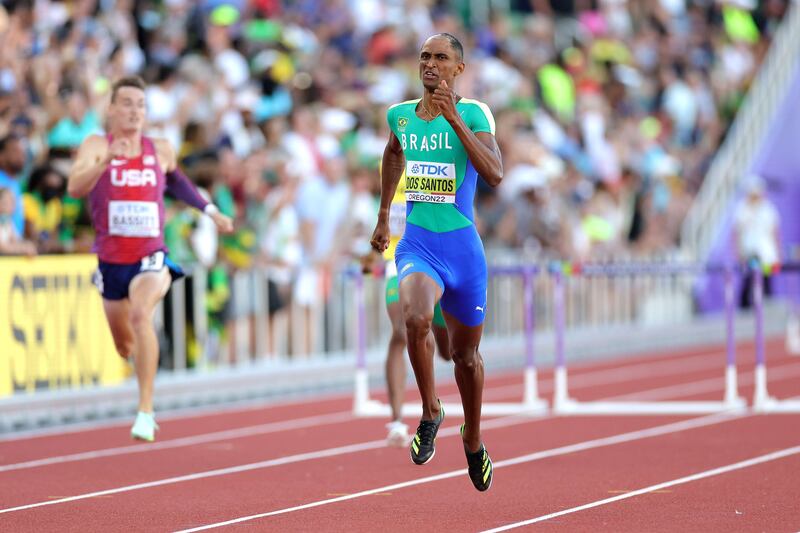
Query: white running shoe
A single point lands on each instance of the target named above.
(145, 427)
(398, 434)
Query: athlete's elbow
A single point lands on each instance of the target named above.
(494, 178)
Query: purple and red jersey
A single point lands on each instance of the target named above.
(127, 207)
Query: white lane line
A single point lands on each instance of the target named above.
(652, 488)
(279, 461)
(249, 431)
(606, 376)
(188, 413)
(666, 429)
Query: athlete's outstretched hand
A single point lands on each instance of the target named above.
(380, 237)
(445, 100)
(224, 223)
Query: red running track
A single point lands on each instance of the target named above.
(312, 466)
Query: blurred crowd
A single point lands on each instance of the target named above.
(608, 114)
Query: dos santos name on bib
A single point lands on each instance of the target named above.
(430, 182)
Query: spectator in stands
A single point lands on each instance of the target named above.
(757, 232)
(10, 241)
(44, 207)
(12, 161)
(322, 204)
(584, 91)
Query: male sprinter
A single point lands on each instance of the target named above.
(442, 142)
(125, 175)
(395, 358)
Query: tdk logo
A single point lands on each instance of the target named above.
(427, 169)
(133, 177)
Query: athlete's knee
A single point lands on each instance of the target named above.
(467, 357)
(140, 317)
(398, 337)
(418, 322)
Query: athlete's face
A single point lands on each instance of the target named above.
(438, 61)
(128, 109)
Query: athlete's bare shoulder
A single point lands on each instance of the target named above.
(91, 150)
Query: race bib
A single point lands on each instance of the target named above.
(430, 182)
(152, 263)
(397, 219)
(133, 219)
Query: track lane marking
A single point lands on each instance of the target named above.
(774, 456)
(606, 376)
(631, 436)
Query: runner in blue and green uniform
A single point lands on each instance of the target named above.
(442, 142)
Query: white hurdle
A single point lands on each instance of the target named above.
(564, 404)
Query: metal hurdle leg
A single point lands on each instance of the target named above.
(762, 401)
(732, 398)
(530, 400)
(362, 404)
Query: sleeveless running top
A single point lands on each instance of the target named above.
(127, 206)
(439, 177)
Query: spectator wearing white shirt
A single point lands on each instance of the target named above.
(757, 230)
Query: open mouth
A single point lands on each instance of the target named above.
(429, 75)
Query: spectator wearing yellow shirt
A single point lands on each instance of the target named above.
(43, 206)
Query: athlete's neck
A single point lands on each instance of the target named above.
(428, 107)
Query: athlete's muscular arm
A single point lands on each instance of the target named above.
(392, 167)
(94, 155)
(183, 189)
(481, 147)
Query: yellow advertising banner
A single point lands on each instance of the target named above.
(53, 333)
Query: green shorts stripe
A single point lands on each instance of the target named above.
(393, 296)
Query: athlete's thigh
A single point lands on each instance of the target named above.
(419, 293)
(117, 314)
(148, 288)
(421, 284)
(465, 297)
(465, 302)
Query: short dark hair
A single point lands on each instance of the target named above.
(455, 44)
(127, 81)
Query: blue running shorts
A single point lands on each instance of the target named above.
(113, 280)
(455, 261)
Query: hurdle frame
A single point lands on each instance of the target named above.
(565, 405)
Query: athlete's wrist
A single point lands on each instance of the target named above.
(211, 209)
